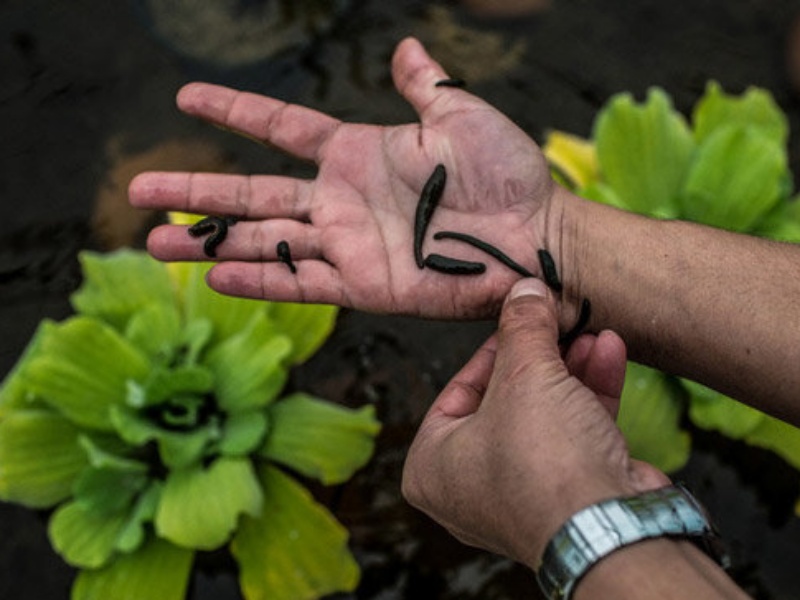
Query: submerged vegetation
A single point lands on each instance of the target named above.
(727, 168)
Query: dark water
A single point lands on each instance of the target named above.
(87, 101)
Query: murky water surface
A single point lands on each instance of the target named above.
(87, 102)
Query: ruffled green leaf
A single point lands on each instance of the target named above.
(14, 392)
(163, 383)
(119, 284)
(296, 550)
(737, 176)
(82, 368)
(156, 330)
(249, 367)
(711, 410)
(644, 152)
(132, 534)
(307, 325)
(649, 417)
(227, 315)
(200, 507)
(243, 433)
(604, 194)
(40, 458)
(320, 439)
(158, 570)
(779, 437)
(176, 449)
(110, 455)
(107, 491)
(85, 538)
(754, 108)
(782, 223)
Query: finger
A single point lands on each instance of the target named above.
(463, 394)
(245, 241)
(415, 75)
(295, 129)
(314, 282)
(600, 363)
(247, 197)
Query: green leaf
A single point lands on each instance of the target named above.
(296, 550)
(779, 437)
(598, 191)
(101, 456)
(200, 508)
(164, 383)
(133, 533)
(782, 223)
(107, 491)
(249, 368)
(82, 368)
(85, 538)
(307, 325)
(754, 108)
(176, 449)
(14, 392)
(119, 284)
(711, 410)
(649, 417)
(737, 176)
(227, 315)
(644, 152)
(158, 570)
(320, 439)
(156, 330)
(39, 458)
(243, 433)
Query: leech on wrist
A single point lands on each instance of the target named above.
(549, 271)
(429, 198)
(486, 247)
(285, 255)
(583, 318)
(453, 266)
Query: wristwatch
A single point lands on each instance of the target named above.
(602, 528)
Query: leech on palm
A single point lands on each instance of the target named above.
(350, 228)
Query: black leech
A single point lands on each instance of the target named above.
(583, 318)
(455, 82)
(431, 193)
(217, 227)
(453, 266)
(488, 248)
(285, 255)
(549, 270)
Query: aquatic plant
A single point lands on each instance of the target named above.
(727, 168)
(151, 422)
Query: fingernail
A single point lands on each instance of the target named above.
(530, 286)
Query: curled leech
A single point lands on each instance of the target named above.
(453, 266)
(583, 318)
(285, 255)
(429, 198)
(451, 82)
(549, 271)
(217, 227)
(486, 247)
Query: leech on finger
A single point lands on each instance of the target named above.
(429, 198)
(217, 227)
(583, 318)
(486, 247)
(549, 271)
(453, 266)
(285, 255)
(454, 82)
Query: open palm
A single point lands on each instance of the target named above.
(350, 229)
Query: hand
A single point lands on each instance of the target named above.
(520, 440)
(350, 229)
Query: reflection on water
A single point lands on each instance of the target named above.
(89, 100)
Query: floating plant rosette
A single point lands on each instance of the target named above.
(152, 423)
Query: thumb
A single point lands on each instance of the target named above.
(528, 330)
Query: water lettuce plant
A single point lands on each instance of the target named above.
(728, 168)
(152, 423)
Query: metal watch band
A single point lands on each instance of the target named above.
(602, 528)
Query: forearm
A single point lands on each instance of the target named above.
(660, 568)
(717, 307)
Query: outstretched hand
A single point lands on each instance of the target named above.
(350, 229)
